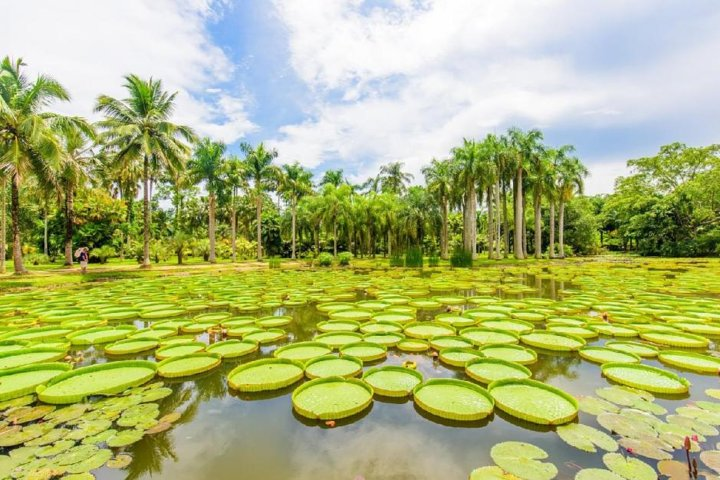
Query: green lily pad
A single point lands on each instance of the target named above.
(639, 349)
(186, 365)
(629, 468)
(365, 351)
(458, 357)
(233, 348)
(562, 342)
(690, 361)
(597, 474)
(265, 374)
(336, 340)
(413, 345)
(523, 460)
(130, 346)
(491, 473)
(511, 353)
(596, 406)
(453, 399)
(332, 366)
(124, 438)
(676, 339)
(487, 370)
(19, 381)
(607, 355)
(302, 351)
(179, 349)
(646, 377)
(645, 448)
(92, 336)
(29, 356)
(389, 339)
(392, 381)
(448, 341)
(586, 438)
(533, 401)
(426, 330)
(263, 337)
(332, 398)
(489, 336)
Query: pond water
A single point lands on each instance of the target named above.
(223, 434)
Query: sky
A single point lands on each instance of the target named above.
(355, 84)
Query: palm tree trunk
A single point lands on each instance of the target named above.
(551, 247)
(129, 217)
(538, 225)
(334, 238)
(497, 219)
(294, 216)
(490, 222)
(211, 226)
(258, 211)
(15, 214)
(470, 220)
(3, 224)
(561, 229)
(233, 230)
(146, 213)
(69, 221)
(444, 230)
(46, 251)
(506, 224)
(389, 243)
(523, 201)
(519, 215)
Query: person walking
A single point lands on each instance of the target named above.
(83, 255)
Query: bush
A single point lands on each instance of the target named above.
(414, 258)
(344, 258)
(37, 259)
(274, 263)
(324, 259)
(461, 259)
(101, 254)
(397, 261)
(433, 260)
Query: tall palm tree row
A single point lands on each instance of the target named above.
(262, 174)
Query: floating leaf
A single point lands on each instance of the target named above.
(125, 437)
(674, 469)
(693, 424)
(646, 377)
(586, 438)
(265, 374)
(596, 406)
(332, 366)
(597, 474)
(95, 461)
(392, 381)
(534, 401)
(523, 460)
(55, 449)
(491, 473)
(119, 461)
(453, 399)
(644, 448)
(711, 459)
(332, 398)
(629, 468)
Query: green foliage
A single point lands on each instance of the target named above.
(461, 258)
(274, 263)
(102, 254)
(414, 258)
(397, 261)
(344, 258)
(325, 259)
(433, 260)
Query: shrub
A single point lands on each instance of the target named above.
(461, 258)
(274, 262)
(101, 254)
(414, 258)
(344, 258)
(397, 261)
(36, 258)
(433, 260)
(324, 259)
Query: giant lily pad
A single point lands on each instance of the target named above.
(491, 473)
(553, 341)
(607, 355)
(639, 349)
(93, 336)
(586, 438)
(487, 370)
(186, 365)
(302, 351)
(453, 399)
(19, 381)
(458, 357)
(233, 348)
(266, 336)
(523, 460)
(646, 377)
(676, 339)
(130, 346)
(690, 361)
(28, 356)
(511, 353)
(332, 398)
(534, 401)
(365, 351)
(489, 336)
(179, 349)
(332, 366)
(336, 340)
(265, 374)
(425, 330)
(392, 381)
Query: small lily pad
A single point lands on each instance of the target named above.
(523, 460)
(629, 468)
(125, 437)
(586, 438)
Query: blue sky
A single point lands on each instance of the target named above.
(354, 84)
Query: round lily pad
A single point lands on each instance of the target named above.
(28, 356)
(676, 339)
(389, 339)
(274, 321)
(487, 370)
(487, 336)
(233, 348)
(597, 474)
(302, 351)
(265, 374)
(640, 349)
(628, 467)
(425, 330)
(101, 379)
(332, 366)
(458, 356)
(338, 326)
(523, 460)
(98, 335)
(646, 377)
(690, 361)
(587, 438)
(365, 351)
(336, 340)
(511, 353)
(20, 381)
(392, 381)
(186, 365)
(533, 401)
(447, 341)
(357, 315)
(266, 336)
(607, 355)
(413, 345)
(179, 349)
(453, 399)
(130, 346)
(332, 398)
(562, 342)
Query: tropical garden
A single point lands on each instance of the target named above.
(486, 321)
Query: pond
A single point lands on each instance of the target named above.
(221, 433)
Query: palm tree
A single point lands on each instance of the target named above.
(28, 142)
(335, 205)
(138, 129)
(555, 157)
(3, 220)
(525, 146)
(333, 177)
(234, 180)
(571, 175)
(393, 179)
(539, 170)
(295, 183)
(439, 180)
(207, 164)
(467, 161)
(488, 177)
(78, 160)
(260, 169)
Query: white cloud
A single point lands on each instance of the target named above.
(89, 45)
(603, 174)
(408, 83)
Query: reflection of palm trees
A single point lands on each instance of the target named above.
(557, 365)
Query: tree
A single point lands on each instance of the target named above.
(138, 129)
(234, 180)
(335, 205)
(206, 165)
(333, 177)
(28, 142)
(393, 179)
(260, 170)
(295, 182)
(467, 160)
(571, 175)
(439, 180)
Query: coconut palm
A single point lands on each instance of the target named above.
(234, 181)
(335, 206)
(488, 177)
(525, 146)
(551, 190)
(138, 129)
(393, 179)
(260, 170)
(206, 165)
(539, 171)
(333, 177)
(294, 183)
(439, 181)
(467, 165)
(78, 160)
(29, 145)
(571, 176)
(3, 220)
